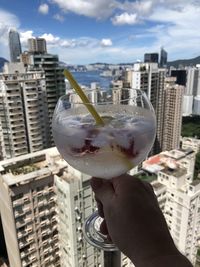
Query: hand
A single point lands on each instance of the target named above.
(134, 221)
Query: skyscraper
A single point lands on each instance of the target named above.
(54, 78)
(14, 45)
(75, 203)
(37, 45)
(163, 58)
(172, 114)
(151, 57)
(149, 78)
(193, 81)
(23, 110)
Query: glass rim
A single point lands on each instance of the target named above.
(142, 93)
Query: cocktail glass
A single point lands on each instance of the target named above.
(108, 150)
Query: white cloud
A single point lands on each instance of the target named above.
(125, 18)
(59, 17)
(7, 21)
(50, 38)
(99, 9)
(43, 9)
(139, 7)
(24, 36)
(179, 32)
(106, 42)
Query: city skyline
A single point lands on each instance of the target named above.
(113, 31)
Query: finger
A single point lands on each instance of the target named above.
(103, 190)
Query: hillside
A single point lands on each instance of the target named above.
(184, 62)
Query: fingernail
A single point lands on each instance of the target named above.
(96, 183)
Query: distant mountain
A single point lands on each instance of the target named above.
(184, 62)
(175, 63)
(2, 61)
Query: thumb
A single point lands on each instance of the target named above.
(103, 189)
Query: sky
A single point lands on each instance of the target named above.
(111, 31)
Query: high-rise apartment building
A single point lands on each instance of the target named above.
(38, 57)
(193, 81)
(172, 121)
(23, 110)
(196, 106)
(28, 209)
(187, 109)
(179, 197)
(149, 78)
(166, 98)
(54, 78)
(75, 203)
(14, 45)
(151, 58)
(37, 45)
(163, 58)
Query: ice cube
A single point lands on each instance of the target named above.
(123, 137)
(102, 139)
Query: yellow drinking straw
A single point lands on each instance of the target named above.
(92, 110)
(83, 97)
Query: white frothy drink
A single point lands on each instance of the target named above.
(105, 151)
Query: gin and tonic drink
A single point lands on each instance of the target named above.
(107, 150)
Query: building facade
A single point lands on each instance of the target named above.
(151, 58)
(193, 81)
(149, 78)
(14, 45)
(163, 58)
(172, 121)
(179, 197)
(54, 77)
(37, 45)
(28, 210)
(75, 202)
(23, 111)
(187, 105)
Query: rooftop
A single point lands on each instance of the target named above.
(178, 172)
(31, 166)
(175, 154)
(157, 185)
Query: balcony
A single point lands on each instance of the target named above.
(34, 115)
(37, 147)
(18, 130)
(22, 234)
(28, 241)
(18, 202)
(14, 118)
(36, 138)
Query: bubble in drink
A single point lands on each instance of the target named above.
(104, 151)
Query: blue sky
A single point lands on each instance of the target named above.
(113, 31)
